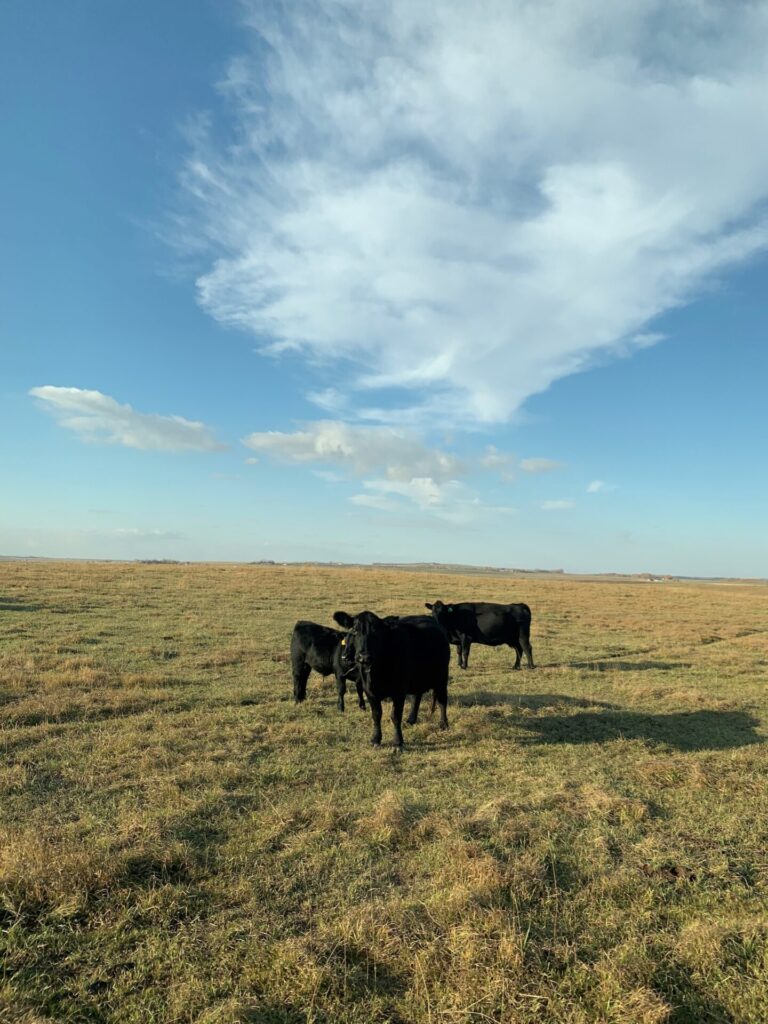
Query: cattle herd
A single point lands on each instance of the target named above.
(404, 655)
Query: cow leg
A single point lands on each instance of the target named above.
(301, 672)
(397, 719)
(528, 650)
(341, 689)
(440, 694)
(376, 716)
(360, 697)
(466, 644)
(518, 654)
(459, 657)
(415, 701)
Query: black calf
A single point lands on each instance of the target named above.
(321, 648)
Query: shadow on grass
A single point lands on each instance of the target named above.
(145, 871)
(631, 666)
(691, 1003)
(14, 604)
(683, 730)
(533, 701)
(275, 1014)
(87, 714)
(378, 985)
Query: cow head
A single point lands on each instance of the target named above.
(441, 613)
(366, 637)
(347, 652)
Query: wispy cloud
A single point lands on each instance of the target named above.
(136, 533)
(377, 501)
(595, 486)
(422, 491)
(502, 462)
(394, 466)
(94, 416)
(361, 450)
(464, 204)
(556, 505)
(451, 501)
(506, 464)
(539, 465)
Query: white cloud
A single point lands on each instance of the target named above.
(556, 505)
(502, 462)
(359, 449)
(505, 463)
(451, 501)
(135, 533)
(408, 470)
(377, 501)
(599, 485)
(539, 465)
(97, 417)
(423, 491)
(466, 203)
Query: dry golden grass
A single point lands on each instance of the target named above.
(179, 842)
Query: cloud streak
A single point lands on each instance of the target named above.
(539, 465)
(463, 205)
(452, 502)
(359, 449)
(398, 466)
(96, 417)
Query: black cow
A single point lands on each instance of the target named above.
(396, 657)
(484, 623)
(321, 648)
(348, 661)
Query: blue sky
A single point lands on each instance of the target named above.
(380, 282)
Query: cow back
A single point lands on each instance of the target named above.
(315, 644)
(484, 621)
(415, 658)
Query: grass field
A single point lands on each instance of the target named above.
(180, 842)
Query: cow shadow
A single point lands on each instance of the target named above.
(530, 701)
(16, 604)
(691, 1000)
(631, 666)
(274, 1013)
(284, 1013)
(85, 713)
(681, 730)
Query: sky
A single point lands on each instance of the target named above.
(360, 281)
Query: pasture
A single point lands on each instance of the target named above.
(180, 842)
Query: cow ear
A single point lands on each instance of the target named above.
(428, 605)
(343, 619)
